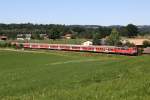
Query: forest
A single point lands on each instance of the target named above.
(56, 31)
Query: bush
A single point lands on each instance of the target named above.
(20, 46)
(9, 44)
(146, 44)
(140, 51)
(114, 38)
(14, 46)
(129, 44)
(3, 44)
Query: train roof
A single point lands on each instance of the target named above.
(103, 46)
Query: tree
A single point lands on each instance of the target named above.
(54, 33)
(35, 36)
(132, 30)
(104, 31)
(114, 38)
(128, 44)
(146, 43)
(54, 36)
(123, 31)
(96, 40)
(3, 44)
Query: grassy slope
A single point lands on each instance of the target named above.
(73, 76)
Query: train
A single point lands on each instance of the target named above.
(90, 48)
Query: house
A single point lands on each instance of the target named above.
(3, 37)
(20, 37)
(87, 43)
(137, 42)
(44, 36)
(27, 36)
(67, 36)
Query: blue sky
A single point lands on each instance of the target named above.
(97, 12)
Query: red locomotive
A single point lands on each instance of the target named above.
(101, 49)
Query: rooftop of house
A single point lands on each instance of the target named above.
(3, 37)
(68, 35)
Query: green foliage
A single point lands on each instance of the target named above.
(19, 46)
(14, 46)
(56, 75)
(54, 36)
(96, 39)
(140, 51)
(128, 44)
(123, 31)
(74, 36)
(132, 30)
(81, 31)
(35, 36)
(146, 44)
(11, 30)
(3, 44)
(104, 31)
(114, 38)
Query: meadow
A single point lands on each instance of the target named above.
(62, 75)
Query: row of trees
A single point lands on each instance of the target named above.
(56, 31)
(4, 44)
(146, 44)
(114, 39)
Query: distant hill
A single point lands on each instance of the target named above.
(144, 28)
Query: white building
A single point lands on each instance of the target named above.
(28, 36)
(22, 37)
(87, 43)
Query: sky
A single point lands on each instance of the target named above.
(78, 12)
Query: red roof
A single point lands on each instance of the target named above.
(2, 37)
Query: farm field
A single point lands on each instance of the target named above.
(61, 75)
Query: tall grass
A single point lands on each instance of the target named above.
(33, 76)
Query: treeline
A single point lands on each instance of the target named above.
(4, 44)
(78, 31)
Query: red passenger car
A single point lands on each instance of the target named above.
(101, 49)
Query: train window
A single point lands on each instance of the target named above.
(110, 49)
(119, 48)
(125, 48)
(135, 48)
(75, 47)
(91, 48)
(98, 48)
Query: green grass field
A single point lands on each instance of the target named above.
(59, 75)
